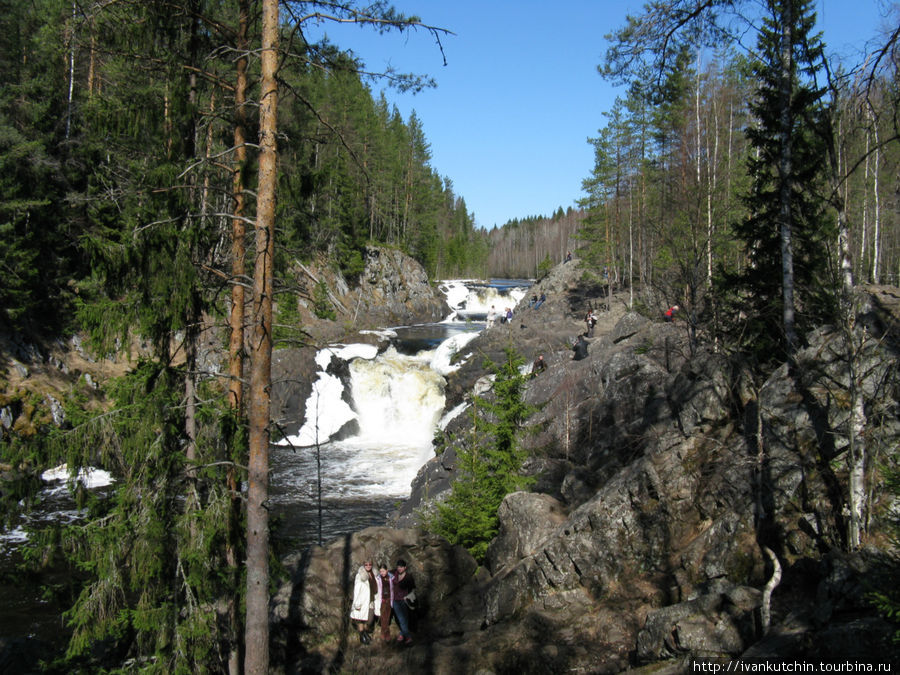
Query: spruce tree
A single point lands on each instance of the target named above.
(782, 288)
(489, 466)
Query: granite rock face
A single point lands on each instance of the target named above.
(392, 290)
(640, 543)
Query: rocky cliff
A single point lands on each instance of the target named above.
(664, 474)
(392, 290)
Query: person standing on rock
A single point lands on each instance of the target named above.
(491, 317)
(590, 320)
(383, 600)
(403, 590)
(362, 611)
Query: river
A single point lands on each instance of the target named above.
(392, 401)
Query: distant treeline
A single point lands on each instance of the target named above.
(518, 248)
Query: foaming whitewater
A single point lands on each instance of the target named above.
(367, 433)
(326, 411)
(396, 401)
(473, 299)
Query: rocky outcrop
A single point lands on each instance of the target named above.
(310, 609)
(394, 290)
(640, 543)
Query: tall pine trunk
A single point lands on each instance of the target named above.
(256, 661)
(236, 319)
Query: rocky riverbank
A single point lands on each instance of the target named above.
(641, 545)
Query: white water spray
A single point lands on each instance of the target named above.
(471, 299)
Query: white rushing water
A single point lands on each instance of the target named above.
(468, 298)
(396, 401)
(55, 498)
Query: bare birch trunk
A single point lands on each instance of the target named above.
(864, 269)
(771, 585)
(876, 235)
(71, 36)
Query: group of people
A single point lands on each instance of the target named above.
(536, 302)
(390, 593)
(505, 316)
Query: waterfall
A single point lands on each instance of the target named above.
(472, 300)
(395, 396)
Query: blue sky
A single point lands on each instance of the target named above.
(520, 95)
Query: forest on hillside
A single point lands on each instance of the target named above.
(125, 128)
(752, 181)
(676, 160)
(142, 146)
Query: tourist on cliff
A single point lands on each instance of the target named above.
(580, 348)
(383, 601)
(362, 611)
(540, 301)
(403, 590)
(670, 313)
(491, 316)
(590, 320)
(539, 366)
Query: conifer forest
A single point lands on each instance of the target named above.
(167, 163)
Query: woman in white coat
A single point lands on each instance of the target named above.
(363, 609)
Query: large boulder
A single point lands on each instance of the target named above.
(526, 520)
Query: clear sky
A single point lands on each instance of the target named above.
(520, 95)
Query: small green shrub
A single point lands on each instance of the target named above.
(322, 306)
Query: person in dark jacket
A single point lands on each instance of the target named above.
(539, 366)
(580, 348)
(403, 589)
(383, 601)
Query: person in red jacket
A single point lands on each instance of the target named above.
(670, 313)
